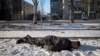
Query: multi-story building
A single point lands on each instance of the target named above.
(16, 10)
(4, 9)
(66, 9)
(27, 11)
(1, 14)
(98, 9)
(56, 9)
(77, 9)
(9, 8)
(79, 13)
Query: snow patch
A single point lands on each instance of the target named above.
(10, 48)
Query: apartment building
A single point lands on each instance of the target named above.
(79, 13)
(16, 10)
(27, 11)
(4, 9)
(1, 14)
(98, 9)
(66, 9)
(56, 9)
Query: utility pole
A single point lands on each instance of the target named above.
(35, 2)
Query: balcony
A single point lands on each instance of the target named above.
(98, 8)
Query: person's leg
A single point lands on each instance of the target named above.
(48, 42)
(30, 40)
(26, 39)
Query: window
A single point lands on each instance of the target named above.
(77, 8)
(54, 0)
(77, 3)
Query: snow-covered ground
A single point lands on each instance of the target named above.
(60, 33)
(89, 47)
(30, 26)
(8, 47)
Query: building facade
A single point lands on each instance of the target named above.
(16, 10)
(27, 11)
(79, 13)
(56, 9)
(1, 9)
(66, 9)
(98, 9)
(4, 9)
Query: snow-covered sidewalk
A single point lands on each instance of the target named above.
(48, 26)
(61, 33)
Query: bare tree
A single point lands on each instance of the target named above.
(35, 2)
(8, 11)
(71, 18)
(86, 5)
(89, 6)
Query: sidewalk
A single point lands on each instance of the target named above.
(59, 21)
(79, 21)
(60, 33)
(49, 26)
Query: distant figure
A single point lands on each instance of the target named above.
(51, 43)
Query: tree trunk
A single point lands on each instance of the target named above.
(35, 16)
(71, 18)
(8, 11)
(35, 11)
(89, 6)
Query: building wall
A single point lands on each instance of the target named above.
(98, 9)
(56, 9)
(5, 10)
(78, 12)
(28, 10)
(1, 14)
(65, 9)
(16, 10)
(77, 8)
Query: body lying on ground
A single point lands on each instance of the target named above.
(51, 43)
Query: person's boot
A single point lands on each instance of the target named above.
(27, 39)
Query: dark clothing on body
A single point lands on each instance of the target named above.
(51, 43)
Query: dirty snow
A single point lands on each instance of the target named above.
(9, 47)
(28, 26)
